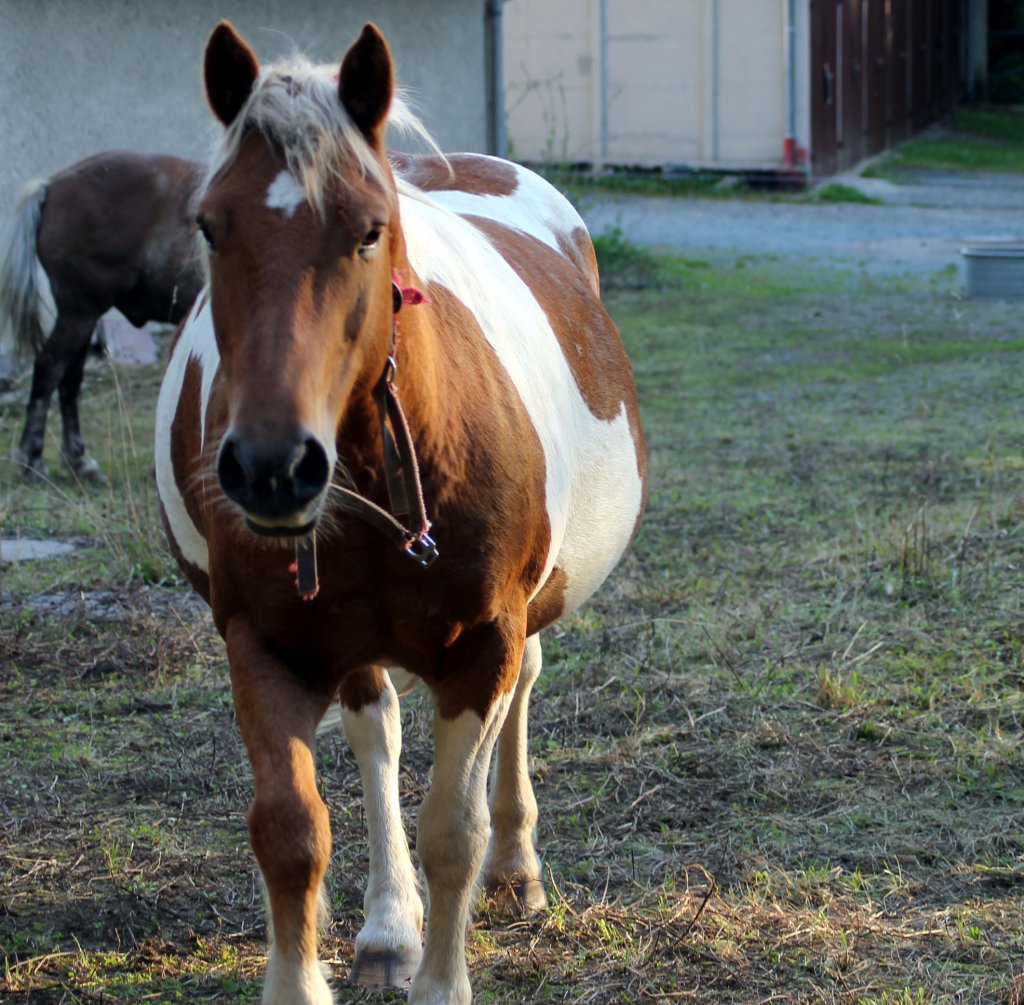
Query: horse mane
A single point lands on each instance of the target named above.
(295, 103)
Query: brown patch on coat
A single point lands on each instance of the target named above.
(549, 604)
(495, 651)
(362, 687)
(579, 248)
(470, 173)
(588, 337)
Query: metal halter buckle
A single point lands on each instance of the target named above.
(422, 550)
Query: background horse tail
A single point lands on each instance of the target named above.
(21, 292)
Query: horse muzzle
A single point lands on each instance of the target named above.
(279, 484)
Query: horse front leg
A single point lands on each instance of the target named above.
(289, 830)
(388, 949)
(470, 708)
(70, 336)
(512, 871)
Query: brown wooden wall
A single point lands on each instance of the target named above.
(881, 70)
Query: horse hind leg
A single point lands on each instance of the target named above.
(70, 334)
(388, 949)
(512, 873)
(74, 452)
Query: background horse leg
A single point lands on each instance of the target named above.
(289, 829)
(388, 947)
(70, 336)
(512, 877)
(454, 819)
(74, 453)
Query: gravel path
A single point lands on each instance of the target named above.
(920, 227)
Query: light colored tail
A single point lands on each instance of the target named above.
(21, 298)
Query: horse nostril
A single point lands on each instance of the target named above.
(310, 470)
(230, 471)
(272, 477)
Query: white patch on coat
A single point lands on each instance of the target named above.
(196, 342)
(392, 904)
(535, 208)
(285, 193)
(593, 489)
(202, 347)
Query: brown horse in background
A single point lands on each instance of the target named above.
(114, 230)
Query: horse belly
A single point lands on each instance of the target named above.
(605, 499)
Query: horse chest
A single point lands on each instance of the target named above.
(372, 606)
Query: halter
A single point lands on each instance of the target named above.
(401, 472)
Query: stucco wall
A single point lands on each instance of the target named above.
(81, 76)
(688, 82)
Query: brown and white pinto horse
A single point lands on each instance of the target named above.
(114, 230)
(296, 486)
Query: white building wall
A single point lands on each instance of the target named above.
(552, 77)
(752, 81)
(656, 69)
(81, 76)
(687, 82)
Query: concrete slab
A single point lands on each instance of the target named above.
(22, 549)
(127, 345)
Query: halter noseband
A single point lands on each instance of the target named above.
(401, 472)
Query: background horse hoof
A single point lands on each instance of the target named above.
(86, 470)
(385, 968)
(33, 471)
(517, 898)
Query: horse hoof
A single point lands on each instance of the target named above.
(517, 898)
(86, 470)
(32, 471)
(385, 968)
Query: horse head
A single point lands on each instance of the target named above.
(300, 216)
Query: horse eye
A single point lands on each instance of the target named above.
(370, 242)
(205, 231)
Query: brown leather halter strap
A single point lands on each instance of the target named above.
(401, 473)
(401, 470)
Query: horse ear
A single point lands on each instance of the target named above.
(366, 82)
(230, 69)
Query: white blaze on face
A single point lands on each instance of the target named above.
(285, 193)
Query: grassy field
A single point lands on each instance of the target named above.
(981, 138)
(779, 758)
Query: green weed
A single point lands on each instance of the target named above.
(838, 192)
